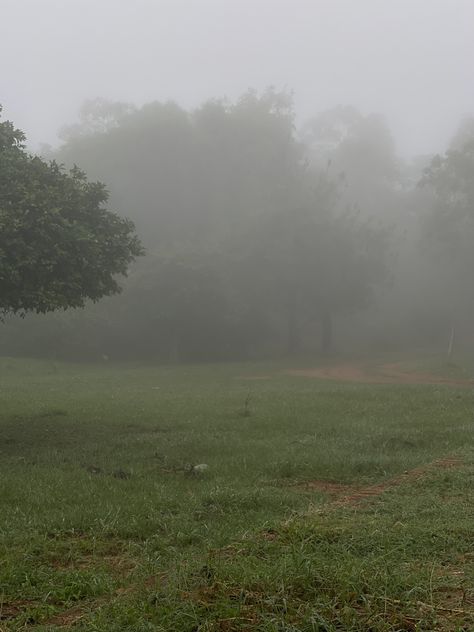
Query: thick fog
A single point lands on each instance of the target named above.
(408, 59)
(299, 173)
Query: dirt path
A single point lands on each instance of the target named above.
(342, 495)
(393, 373)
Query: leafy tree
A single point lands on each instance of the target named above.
(360, 151)
(464, 134)
(314, 264)
(256, 248)
(184, 309)
(450, 225)
(192, 178)
(448, 228)
(97, 116)
(360, 146)
(59, 245)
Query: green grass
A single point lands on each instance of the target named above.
(102, 519)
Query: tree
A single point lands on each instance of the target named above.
(449, 227)
(464, 134)
(197, 179)
(361, 152)
(97, 116)
(190, 177)
(59, 245)
(255, 246)
(311, 263)
(360, 146)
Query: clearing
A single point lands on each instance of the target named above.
(326, 505)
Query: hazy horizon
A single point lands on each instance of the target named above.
(406, 60)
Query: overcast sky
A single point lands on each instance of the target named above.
(409, 59)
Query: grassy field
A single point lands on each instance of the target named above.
(106, 525)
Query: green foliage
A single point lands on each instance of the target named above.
(235, 222)
(190, 179)
(315, 263)
(359, 147)
(97, 116)
(451, 177)
(251, 249)
(184, 309)
(448, 227)
(59, 245)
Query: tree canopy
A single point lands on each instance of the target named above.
(59, 245)
(449, 225)
(250, 247)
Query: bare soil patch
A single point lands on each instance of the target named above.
(393, 373)
(341, 495)
(14, 609)
(334, 490)
(253, 378)
(352, 495)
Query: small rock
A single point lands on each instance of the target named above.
(200, 468)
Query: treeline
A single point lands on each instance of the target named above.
(263, 239)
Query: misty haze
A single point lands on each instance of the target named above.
(236, 315)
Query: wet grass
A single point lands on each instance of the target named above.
(105, 525)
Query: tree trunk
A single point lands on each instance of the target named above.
(292, 324)
(174, 349)
(326, 333)
(292, 333)
(451, 341)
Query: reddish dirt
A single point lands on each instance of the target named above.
(384, 374)
(342, 495)
(351, 495)
(253, 377)
(13, 609)
(334, 490)
(67, 618)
